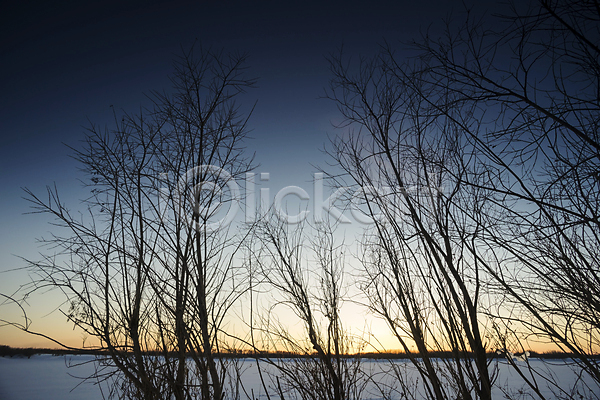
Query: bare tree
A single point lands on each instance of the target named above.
(145, 269)
(506, 123)
(420, 276)
(533, 88)
(306, 271)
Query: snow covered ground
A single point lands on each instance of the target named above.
(50, 377)
(45, 377)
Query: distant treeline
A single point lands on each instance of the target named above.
(7, 351)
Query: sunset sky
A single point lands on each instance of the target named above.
(63, 66)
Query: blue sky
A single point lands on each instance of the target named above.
(65, 65)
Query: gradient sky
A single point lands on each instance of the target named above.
(62, 65)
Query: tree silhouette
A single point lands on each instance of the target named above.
(145, 268)
(505, 123)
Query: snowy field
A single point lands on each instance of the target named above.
(50, 377)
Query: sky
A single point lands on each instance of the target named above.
(64, 66)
